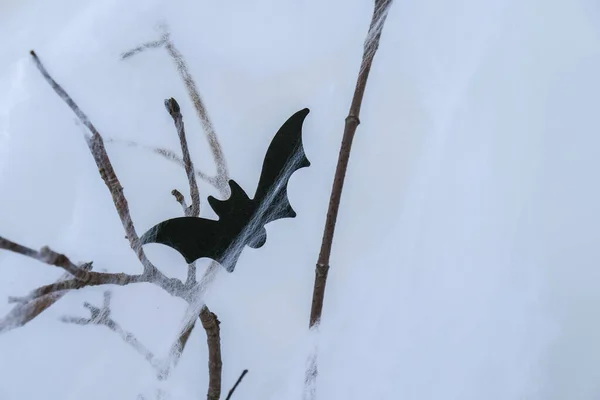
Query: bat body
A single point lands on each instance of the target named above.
(241, 219)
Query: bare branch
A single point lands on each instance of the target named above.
(175, 112)
(190, 84)
(192, 89)
(96, 145)
(102, 316)
(210, 322)
(380, 11)
(244, 372)
(42, 291)
(47, 256)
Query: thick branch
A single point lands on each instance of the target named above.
(210, 322)
(150, 274)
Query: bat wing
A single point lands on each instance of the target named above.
(284, 156)
(192, 237)
(241, 220)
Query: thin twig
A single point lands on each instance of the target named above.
(244, 372)
(150, 45)
(169, 155)
(192, 89)
(371, 45)
(352, 121)
(210, 322)
(175, 112)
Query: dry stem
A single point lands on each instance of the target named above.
(210, 322)
(244, 372)
(371, 45)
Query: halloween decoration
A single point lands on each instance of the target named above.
(241, 219)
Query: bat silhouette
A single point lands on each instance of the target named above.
(241, 220)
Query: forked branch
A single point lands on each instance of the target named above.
(77, 277)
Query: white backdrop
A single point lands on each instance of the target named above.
(465, 263)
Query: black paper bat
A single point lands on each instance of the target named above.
(241, 219)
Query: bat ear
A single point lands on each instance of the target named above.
(216, 204)
(238, 199)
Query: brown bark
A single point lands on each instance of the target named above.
(210, 322)
(351, 123)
